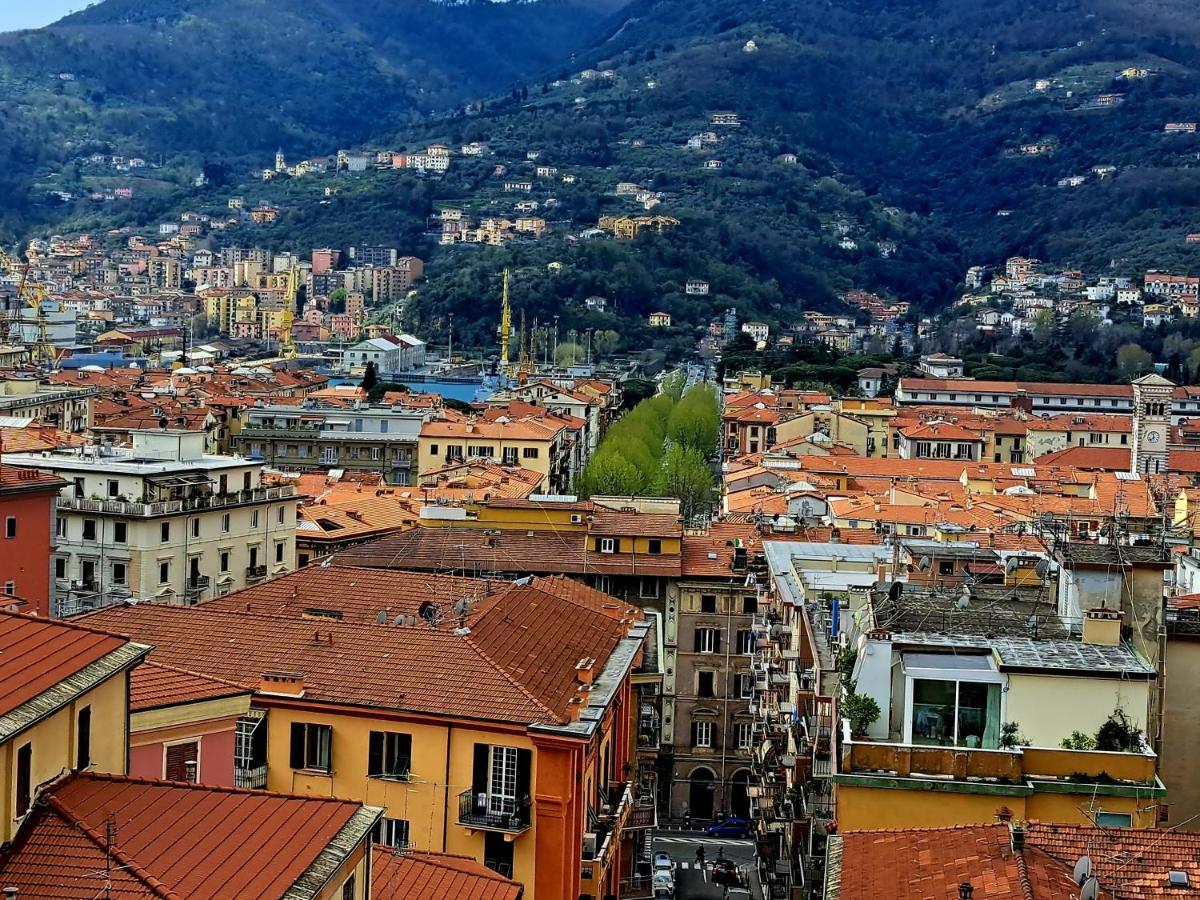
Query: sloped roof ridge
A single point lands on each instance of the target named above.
(200, 786)
(574, 596)
(127, 862)
(218, 679)
(30, 617)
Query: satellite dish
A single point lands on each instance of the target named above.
(1090, 890)
(411, 620)
(399, 620)
(381, 617)
(1042, 568)
(463, 606)
(1010, 566)
(964, 599)
(923, 563)
(1083, 869)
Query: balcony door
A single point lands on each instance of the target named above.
(502, 780)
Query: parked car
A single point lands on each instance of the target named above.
(731, 827)
(664, 885)
(725, 871)
(663, 862)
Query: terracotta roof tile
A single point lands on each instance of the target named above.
(424, 875)
(36, 654)
(176, 840)
(1136, 859)
(153, 685)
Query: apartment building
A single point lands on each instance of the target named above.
(162, 520)
(65, 407)
(27, 513)
(540, 443)
(370, 685)
(362, 439)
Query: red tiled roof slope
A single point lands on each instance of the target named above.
(424, 875)
(173, 840)
(153, 684)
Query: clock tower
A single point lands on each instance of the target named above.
(1151, 424)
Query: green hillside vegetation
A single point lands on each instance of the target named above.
(660, 448)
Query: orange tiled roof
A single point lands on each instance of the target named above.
(153, 685)
(622, 524)
(931, 863)
(425, 875)
(1112, 459)
(36, 654)
(173, 840)
(347, 514)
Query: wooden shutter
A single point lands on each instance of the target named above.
(178, 758)
(479, 775)
(716, 640)
(24, 778)
(616, 545)
(83, 739)
(524, 773)
(375, 754)
(696, 635)
(695, 733)
(599, 544)
(403, 753)
(297, 761)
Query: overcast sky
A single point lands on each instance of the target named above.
(16, 14)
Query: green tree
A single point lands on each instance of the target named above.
(605, 342)
(686, 476)
(370, 378)
(1133, 361)
(568, 354)
(695, 422)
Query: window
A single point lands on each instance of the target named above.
(745, 685)
(529, 453)
(502, 780)
(945, 567)
(956, 713)
(391, 833)
(607, 545)
(708, 640)
(1114, 819)
(745, 735)
(254, 518)
(433, 449)
(196, 527)
(376, 453)
(749, 605)
(10, 527)
(708, 603)
(654, 547)
(348, 889)
(164, 572)
(745, 641)
(648, 588)
(10, 588)
(704, 684)
(279, 512)
(24, 778)
(225, 523)
(120, 573)
(164, 532)
(224, 560)
(60, 528)
(114, 487)
(510, 456)
(484, 450)
(120, 532)
(246, 477)
(60, 567)
(89, 529)
(329, 455)
(500, 783)
(311, 746)
(83, 739)
(702, 734)
(279, 553)
(181, 762)
(389, 754)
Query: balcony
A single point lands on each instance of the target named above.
(132, 509)
(254, 573)
(481, 812)
(198, 584)
(601, 842)
(254, 778)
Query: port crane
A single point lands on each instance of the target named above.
(42, 352)
(287, 349)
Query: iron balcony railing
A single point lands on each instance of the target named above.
(138, 509)
(254, 778)
(483, 811)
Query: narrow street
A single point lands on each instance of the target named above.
(693, 882)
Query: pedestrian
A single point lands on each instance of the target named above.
(700, 856)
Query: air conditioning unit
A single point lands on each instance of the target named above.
(576, 518)
(589, 845)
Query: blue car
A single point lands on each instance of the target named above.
(731, 827)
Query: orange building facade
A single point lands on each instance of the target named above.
(27, 502)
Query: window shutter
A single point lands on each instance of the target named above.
(696, 636)
(716, 640)
(616, 545)
(479, 775)
(599, 544)
(375, 754)
(297, 745)
(524, 773)
(405, 753)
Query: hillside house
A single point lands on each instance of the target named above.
(725, 118)
(659, 320)
(696, 287)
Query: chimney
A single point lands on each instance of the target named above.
(1017, 831)
(965, 891)
(1004, 814)
(10, 893)
(575, 707)
(584, 670)
(1102, 626)
(282, 684)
